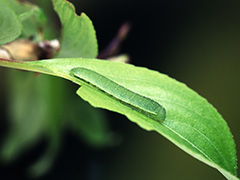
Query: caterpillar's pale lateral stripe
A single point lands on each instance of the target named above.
(125, 96)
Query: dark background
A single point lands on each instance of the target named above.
(195, 42)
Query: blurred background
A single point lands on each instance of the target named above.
(195, 42)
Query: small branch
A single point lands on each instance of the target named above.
(114, 46)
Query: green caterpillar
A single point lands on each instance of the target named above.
(125, 96)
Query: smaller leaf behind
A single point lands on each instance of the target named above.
(10, 25)
(89, 123)
(31, 16)
(78, 38)
(34, 113)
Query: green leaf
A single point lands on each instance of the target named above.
(45, 162)
(25, 114)
(18, 7)
(34, 113)
(10, 26)
(125, 96)
(34, 22)
(88, 123)
(79, 40)
(32, 18)
(191, 122)
(50, 30)
(78, 37)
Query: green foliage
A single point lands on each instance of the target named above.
(78, 37)
(190, 121)
(125, 96)
(28, 99)
(34, 111)
(10, 26)
(32, 18)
